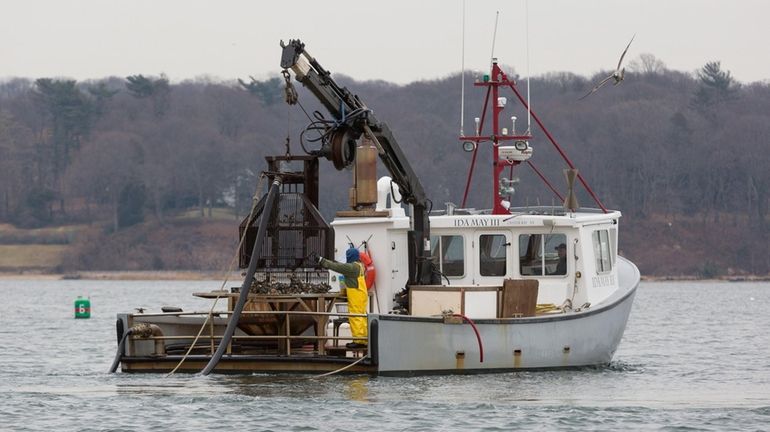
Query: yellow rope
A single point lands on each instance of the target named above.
(544, 308)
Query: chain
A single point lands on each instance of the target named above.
(290, 93)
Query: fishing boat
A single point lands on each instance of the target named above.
(451, 290)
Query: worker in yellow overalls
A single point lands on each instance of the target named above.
(357, 294)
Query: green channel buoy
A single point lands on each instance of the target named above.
(82, 307)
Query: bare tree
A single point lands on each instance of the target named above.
(648, 64)
(16, 160)
(106, 168)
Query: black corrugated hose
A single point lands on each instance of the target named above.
(121, 347)
(246, 287)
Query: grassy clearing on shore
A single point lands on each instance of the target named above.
(59, 235)
(34, 256)
(217, 213)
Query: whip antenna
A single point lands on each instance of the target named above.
(494, 36)
(462, 80)
(529, 103)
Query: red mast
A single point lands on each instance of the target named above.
(514, 154)
(498, 137)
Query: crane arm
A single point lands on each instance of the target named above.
(351, 120)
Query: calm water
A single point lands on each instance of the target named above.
(695, 356)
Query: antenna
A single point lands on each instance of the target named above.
(462, 81)
(494, 36)
(529, 103)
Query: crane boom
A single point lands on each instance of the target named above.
(353, 119)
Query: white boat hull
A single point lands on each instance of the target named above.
(415, 345)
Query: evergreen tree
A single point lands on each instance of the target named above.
(269, 91)
(715, 86)
(157, 90)
(68, 117)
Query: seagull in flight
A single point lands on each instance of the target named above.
(617, 75)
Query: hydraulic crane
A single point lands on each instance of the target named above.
(352, 119)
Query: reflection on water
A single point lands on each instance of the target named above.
(692, 356)
(356, 388)
(190, 386)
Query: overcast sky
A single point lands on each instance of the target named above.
(393, 40)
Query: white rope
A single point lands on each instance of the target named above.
(339, 370)
(324, 375)
(210, 313)
(209, 316)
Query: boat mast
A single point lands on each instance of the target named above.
(498, 137)
(519, 152)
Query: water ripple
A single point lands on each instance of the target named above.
(684, 364)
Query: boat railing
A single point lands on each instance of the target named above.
(281, 319)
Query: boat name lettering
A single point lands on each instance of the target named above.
(477, 222)
(601, 281)
(521, 222)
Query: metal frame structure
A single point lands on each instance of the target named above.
(493, 82)
(352, 119)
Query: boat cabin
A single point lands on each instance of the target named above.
(570, 256)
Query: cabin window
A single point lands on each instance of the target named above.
(493, 254)
(602, 251)
(449, 253)
(613, 244)
(543, 254)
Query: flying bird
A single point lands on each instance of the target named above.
(617, 75)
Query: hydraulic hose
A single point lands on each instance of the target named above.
(121, 348)
(478, 336)
(245, 288)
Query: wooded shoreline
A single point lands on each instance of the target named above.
(140, 173)
(120, 275)
(193, 275)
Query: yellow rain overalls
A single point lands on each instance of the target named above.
(357, 302)
(357, 294)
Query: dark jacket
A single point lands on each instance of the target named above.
(351, 271)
